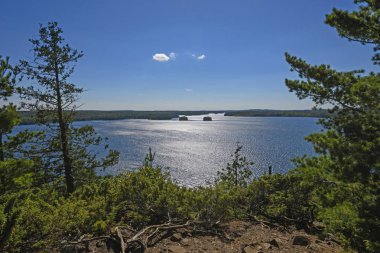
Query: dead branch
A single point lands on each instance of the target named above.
(105, 237)
(142, 237)
(122, 243)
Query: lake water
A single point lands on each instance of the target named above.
(195, 150)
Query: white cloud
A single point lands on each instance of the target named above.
(161, 57)
(173, 55)
(188, 90)
(201, 57)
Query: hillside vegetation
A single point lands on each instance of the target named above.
(279, 113)
(29, 117)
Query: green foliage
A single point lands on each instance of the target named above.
(65, 147)
(8, 118)
(361, 25)
(284, 198)
(7, 78)
(15, 175)
(8, 115)
(28, 117)
(221, 202)
(27, 211)
(340, 186)
(147, 196)
(238, 172)
(350, 146)
(278, 113)
(38, 218)
(149, 158)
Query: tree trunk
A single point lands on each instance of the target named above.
(67, 164)
(1, 147)
(2, 177)
(236, 176)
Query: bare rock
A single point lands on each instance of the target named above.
(176, 237)
(185, 242)
(274, 243)
(266, 245)
(301, 240)
(249, 249)
(176, 249)
(97, 246)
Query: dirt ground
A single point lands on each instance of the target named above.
(232, 237)
(245, 237)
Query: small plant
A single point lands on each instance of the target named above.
(239, 171)
(149, 158)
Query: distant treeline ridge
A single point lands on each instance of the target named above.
(27, 117)
(279, 113)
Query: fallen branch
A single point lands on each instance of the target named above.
(105, 237)
(122, 243)
(142, 237)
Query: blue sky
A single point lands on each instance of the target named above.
(225, 54)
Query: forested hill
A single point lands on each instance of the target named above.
(279, 113)
(85, 115)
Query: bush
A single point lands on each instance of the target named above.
(284, 198)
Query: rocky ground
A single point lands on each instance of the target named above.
(233, 237)
(244, 237)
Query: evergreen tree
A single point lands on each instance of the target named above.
(239, 172)
(349, 148)
(8, 115)
(55, 101)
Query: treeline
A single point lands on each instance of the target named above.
(322, 113)
(29, 117)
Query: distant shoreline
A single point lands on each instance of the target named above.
(88, 115)
(279, 113)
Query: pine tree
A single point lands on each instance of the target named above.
(55, 101)
(239, 172)
(349, 148)
(8, 115)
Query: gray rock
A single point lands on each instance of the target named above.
(274, 242)
(249, 249)
(176, 237)
(266, 245)
(301, 240)
(185, 242)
